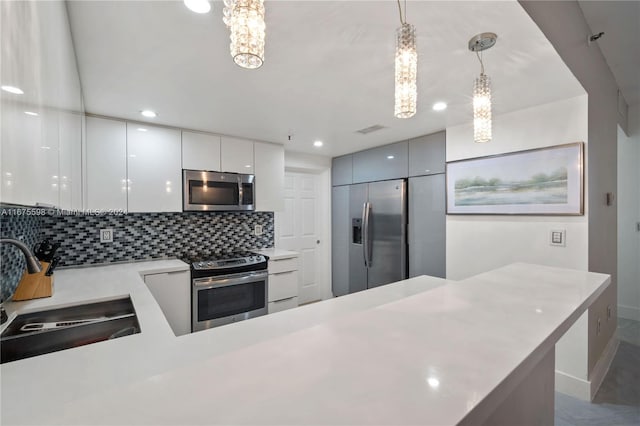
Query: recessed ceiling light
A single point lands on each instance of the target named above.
(12, 89)
(31, 113)
(439, 106)
(390, 157)
(433, 382)
(198, 6)
(318, 144)
(148, 113)
(141, 129)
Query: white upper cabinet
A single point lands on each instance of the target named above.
(106, 174)
(269, 171)
(70, 160)
(236, 155)
(38, 125)
(200, 151)
(154, 169)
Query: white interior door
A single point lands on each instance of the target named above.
(298, 230)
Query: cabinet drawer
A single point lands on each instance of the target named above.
(283, 265)
(283, 285)
(283, 305)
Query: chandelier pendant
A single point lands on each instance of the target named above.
(245, 19)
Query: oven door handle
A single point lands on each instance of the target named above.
(223, 281)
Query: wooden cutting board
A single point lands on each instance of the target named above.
(34, 286)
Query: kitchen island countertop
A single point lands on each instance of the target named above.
(423, 350)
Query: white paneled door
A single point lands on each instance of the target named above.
(298, 230)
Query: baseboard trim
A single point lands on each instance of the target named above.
(629, 312)
(602, 366)
(572, 386)
(586, 389)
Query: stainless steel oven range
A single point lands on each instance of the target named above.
(228, 287)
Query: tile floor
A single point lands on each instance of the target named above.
(617, 402)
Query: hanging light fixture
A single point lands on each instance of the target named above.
(406, 89)
(482, 90)
(245, 19)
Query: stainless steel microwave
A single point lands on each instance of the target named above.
(216, 191)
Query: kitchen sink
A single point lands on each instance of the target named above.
(37, 333)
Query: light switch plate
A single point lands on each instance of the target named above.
(106, 235)
(557, 237)
(257, 230)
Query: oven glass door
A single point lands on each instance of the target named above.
(218, 301)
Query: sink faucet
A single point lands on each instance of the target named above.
(33, 264)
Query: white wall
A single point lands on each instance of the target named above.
(477, 244)
(628, 217)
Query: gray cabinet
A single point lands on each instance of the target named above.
(342, 170)
(427, 154)
(427, 226)
(381, 163)
(340, 237)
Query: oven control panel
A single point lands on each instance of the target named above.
(229, 263)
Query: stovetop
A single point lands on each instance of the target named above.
(222, 262)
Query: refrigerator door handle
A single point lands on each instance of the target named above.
(366, 242)
(364, 234)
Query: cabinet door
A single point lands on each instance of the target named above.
(200, 151)
(154, 169)
(236, 155)
(172, 291)
(70, 160)
(382, 163)
(341, 236)
(342, 170)
(269, 171)
(106, 174)
(427, 155)
(427, 226)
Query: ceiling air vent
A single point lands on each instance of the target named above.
(370, 129)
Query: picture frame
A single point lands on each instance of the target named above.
(541, 181)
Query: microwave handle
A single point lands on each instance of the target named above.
(239, 191)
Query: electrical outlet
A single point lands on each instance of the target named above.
(106, 235)
(257, 230)
(557, 237)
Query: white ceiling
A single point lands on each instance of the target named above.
(620, 45)
(328, 68)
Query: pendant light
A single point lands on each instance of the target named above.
(406, 71)
(245, 19)
(482, 90)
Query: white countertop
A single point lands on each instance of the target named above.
(358, 359)
(275, 254)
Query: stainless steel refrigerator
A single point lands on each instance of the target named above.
(369, 235)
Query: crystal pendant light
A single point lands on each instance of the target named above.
(482, 90)
(406, 93)
(406, 72)
(245, 19)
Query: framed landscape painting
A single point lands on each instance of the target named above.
(545, 181)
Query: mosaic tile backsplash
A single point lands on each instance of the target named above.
(136, 236)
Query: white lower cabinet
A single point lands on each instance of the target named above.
(283, 284)
(283, 305)
(172, 291)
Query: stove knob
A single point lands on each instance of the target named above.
(200, 264)
(209, 263)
